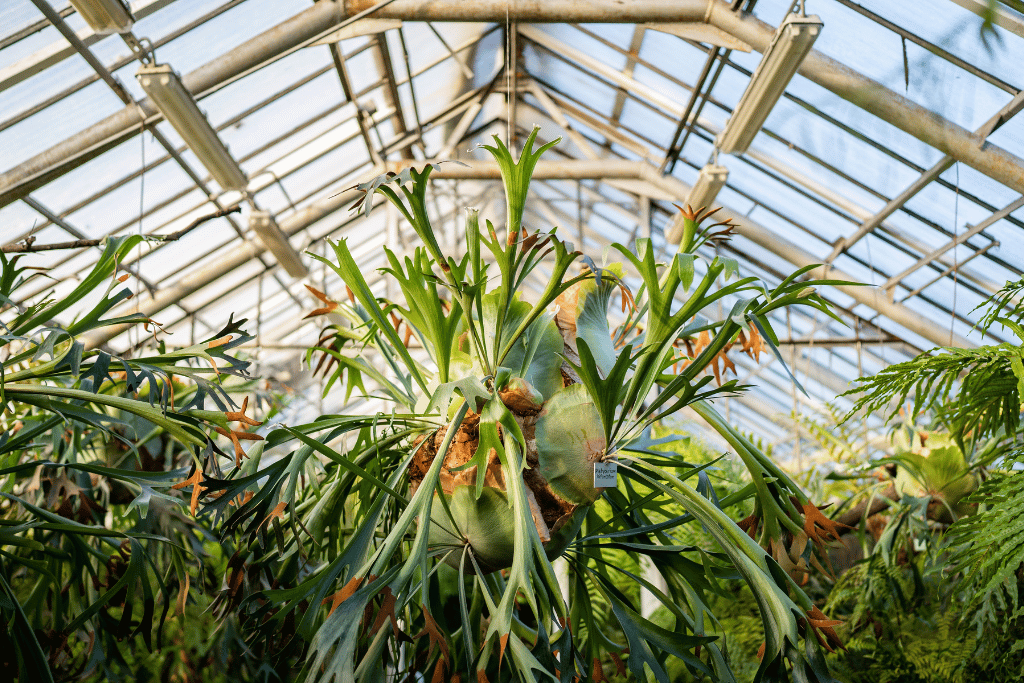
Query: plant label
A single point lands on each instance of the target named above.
(605, 474)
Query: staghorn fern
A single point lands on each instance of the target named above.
(95, 543)
(424, 544)
(977, 393)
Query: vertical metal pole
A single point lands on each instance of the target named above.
(579, 213)
(645, 218)
(798, 451)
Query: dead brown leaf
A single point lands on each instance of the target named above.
(818, 527)
(821, 625)
(431, 630)
(387, 613)
(276, 513)
(183, 595)
(219, 342)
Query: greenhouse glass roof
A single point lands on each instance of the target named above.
(895, 156)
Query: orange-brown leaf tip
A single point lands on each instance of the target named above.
(502, 642)
(219, 342)
(124, 277)
(344, 594)
(821, 625)
(818, 527)
(318, 294)
(195, 480)
(319, 311)
(240, 416)
(620, 667)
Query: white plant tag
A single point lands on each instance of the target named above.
(605, 474)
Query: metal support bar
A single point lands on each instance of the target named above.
(106, 134)
(466, 71)
(634, 53)
(872, 96)
(948, 270)
(1003, 17)
(81, 48)
(458, 133)
(866, 93)
(291, 225)
(1002, 116)
(382, 59)
(61, 50)
(931, 47)
(958, 240)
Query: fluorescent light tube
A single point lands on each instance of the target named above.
(176, 103)
(274, 239)
(105, 16)
(790, 44)
(709, 183)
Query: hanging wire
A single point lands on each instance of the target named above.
(508, 73)
(134, 331)
(956, 221)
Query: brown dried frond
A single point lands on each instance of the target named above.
(821, 626)
(749, 524)
(195, 480)
(818, 527)
(752, 344)
(240, 416)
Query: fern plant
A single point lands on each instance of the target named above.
(420, 540)
(96, 546)
(976, 394)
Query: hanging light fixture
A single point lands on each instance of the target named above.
(105, 16)
(702, 195)
(177, 105)
(790, 44)
(276, 242)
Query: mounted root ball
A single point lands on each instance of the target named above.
(562, 439)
